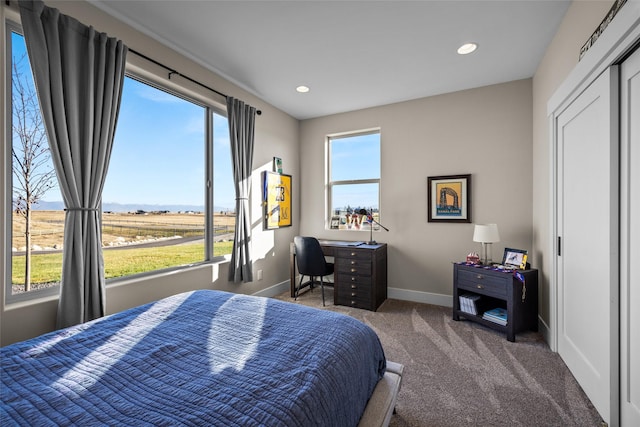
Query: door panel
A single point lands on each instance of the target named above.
(587, 225)
(630, 241)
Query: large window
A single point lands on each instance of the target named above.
(354, 180)
(154, 199)
(158, 211)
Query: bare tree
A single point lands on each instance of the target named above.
(33, 173)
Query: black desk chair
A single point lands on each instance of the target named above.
(311, 262)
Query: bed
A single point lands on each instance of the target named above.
(202, 358)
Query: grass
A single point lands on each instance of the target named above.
(48, 228)
(46, 268)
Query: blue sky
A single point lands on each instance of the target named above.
(158, 151)
(158, 154)
(355, 157)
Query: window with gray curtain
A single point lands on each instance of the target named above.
(145, 216)
(78, 73)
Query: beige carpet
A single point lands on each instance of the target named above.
(463, 374)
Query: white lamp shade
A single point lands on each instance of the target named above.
(486, 233)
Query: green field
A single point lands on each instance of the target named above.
(46, 268)
(121, 232)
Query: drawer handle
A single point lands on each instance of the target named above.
(353, 270)
(354, 287)
(479, 277)
(353, 302)
(353, 294)
(353, 263)
(353, 254)
(353, 279)
(479, 286)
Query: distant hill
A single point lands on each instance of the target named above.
(129, 207)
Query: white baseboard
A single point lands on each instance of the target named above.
(274, 290)
(406, 295)
(419, 296)
(393, 293)
(544, 329)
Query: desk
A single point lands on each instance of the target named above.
(360, 273)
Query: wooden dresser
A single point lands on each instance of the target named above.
(360, 273)
(517, 295)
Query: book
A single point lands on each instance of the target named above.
(469, 303)
(496, 315)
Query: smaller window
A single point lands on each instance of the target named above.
(354, 180)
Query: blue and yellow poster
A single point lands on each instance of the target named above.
(276, 200)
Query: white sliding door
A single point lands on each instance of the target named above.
(630, 241)
(587, 225)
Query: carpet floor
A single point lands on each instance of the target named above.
(464, 374)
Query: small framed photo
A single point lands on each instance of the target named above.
(277, 165)
(515, 258)
(449, 198)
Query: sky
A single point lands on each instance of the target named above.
(355, 157)
(159, 148)
(158, 151)
(158, 154)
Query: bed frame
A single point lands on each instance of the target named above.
(382, 403)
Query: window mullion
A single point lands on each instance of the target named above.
(356, 181)
(208, 186)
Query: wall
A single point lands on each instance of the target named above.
(276, 134)
(485, 132)
(561, 57)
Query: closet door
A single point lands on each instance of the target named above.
(587, 225)
(630, 241)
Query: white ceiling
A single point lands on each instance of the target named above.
(352, 54)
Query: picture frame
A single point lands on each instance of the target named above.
(276, 199)
(515, 258)
(277, 165)
(449, 198)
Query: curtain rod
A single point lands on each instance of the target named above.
(172, 72)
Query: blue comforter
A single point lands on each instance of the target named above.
(199, 358)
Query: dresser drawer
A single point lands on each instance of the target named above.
(355, 254)
(361, 293)
(488, 284)
(349, 280)
(354, 266)
(356, 298)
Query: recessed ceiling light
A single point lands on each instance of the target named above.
(467, 48)
(302, 89)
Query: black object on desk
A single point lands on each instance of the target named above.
(517, 294)
(360, 272)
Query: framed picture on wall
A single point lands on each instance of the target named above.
(449, 198)
(276, 198)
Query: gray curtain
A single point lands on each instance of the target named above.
(241, 129)
(79, 75)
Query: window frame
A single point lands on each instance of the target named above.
(147, 73)
(330, 184)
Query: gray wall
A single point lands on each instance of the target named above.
(485, 132)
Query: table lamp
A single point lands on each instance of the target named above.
(486, 234)
(370, 217)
